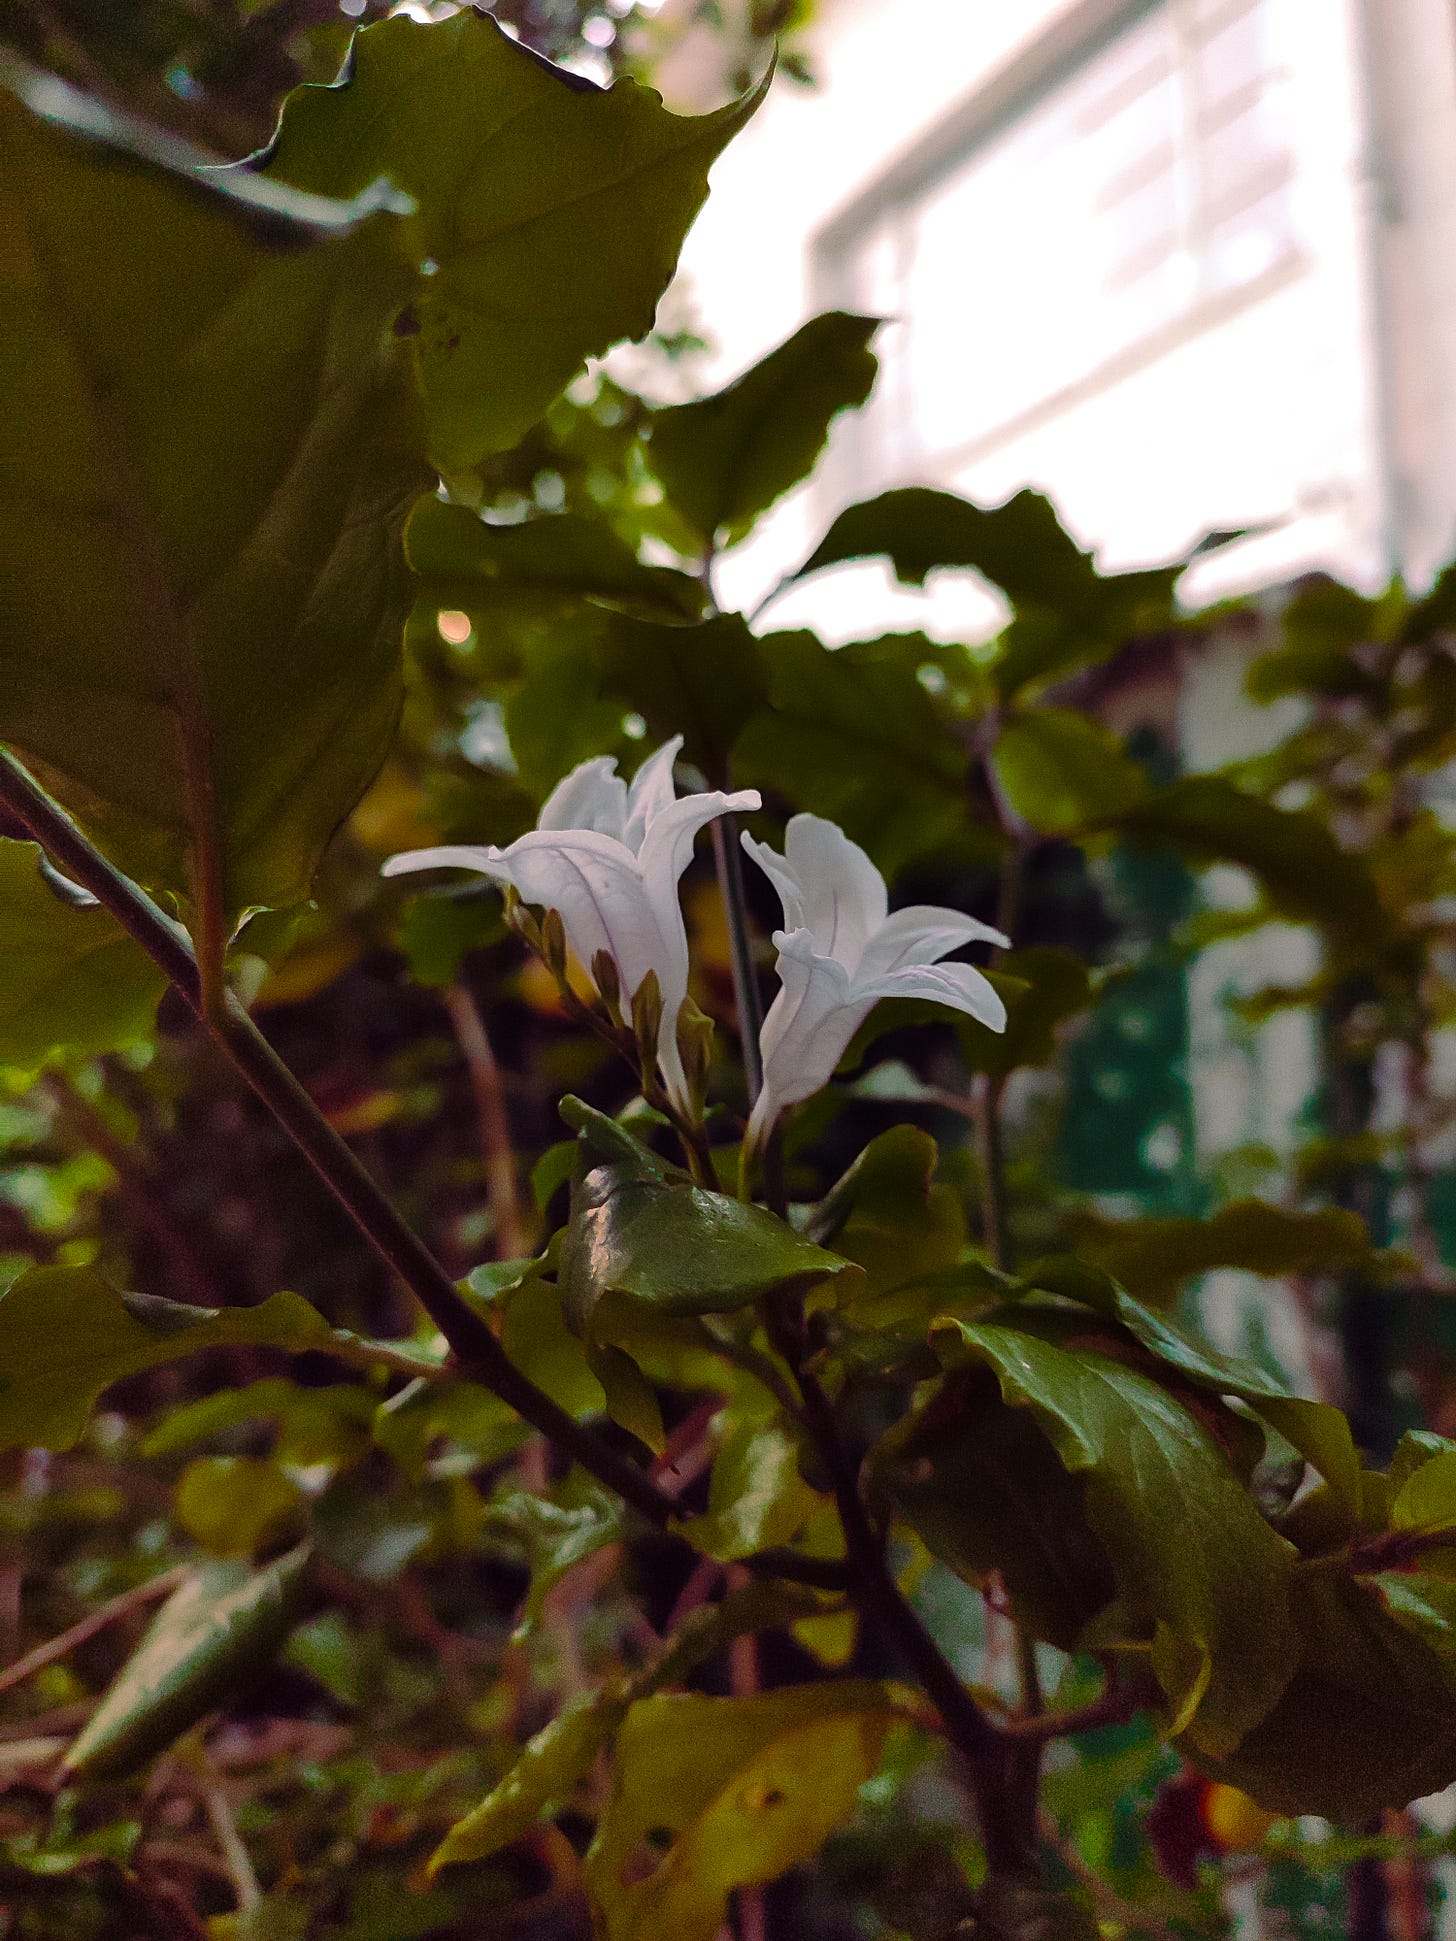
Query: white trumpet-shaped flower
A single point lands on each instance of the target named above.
(840, 952)
(608, 859)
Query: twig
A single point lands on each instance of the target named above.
(502, 1180)
(239, 1864)
(136, 1599)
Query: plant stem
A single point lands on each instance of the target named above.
(728, 862)
(53, 1649)
(502, 1181)
(873, 1588)
(994, 1223)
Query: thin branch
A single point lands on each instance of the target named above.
(502, 1179)
(136, 1599)
(994, 1213)
(873, 1588)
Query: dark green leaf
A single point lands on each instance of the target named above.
(550, 213)
(72, 980)
(1156, 1256)
(641, 1227)
(437, 934)
(853, 734)
(214, 1632)
(726, 459)
(704, 683)
(1067, 613)
(1215, 1613)
(66, 1334)
(1042, 989)
(888, 1215)
(757, 1498)
(1369, 1718)
(981, 1485)
(1318, 1431)
(554, 1535)
(538, 565)
(199, 623)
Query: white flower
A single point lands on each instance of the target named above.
(840, 952)
(609, 858)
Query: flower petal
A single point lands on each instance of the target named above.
(651, 792)
(450, 855)
(592, 796)
(808, 1027)
(842, 893)
(960, 986)
(777, 871)
(595, 884)
(923, 933)
(667, 848)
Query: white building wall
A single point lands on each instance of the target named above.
(1321, 404)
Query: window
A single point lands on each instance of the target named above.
(1146, 190)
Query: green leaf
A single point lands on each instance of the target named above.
(216, 1630)
(704, 683)
(1062, 772)
(199, 622)
(553, 1535)
(562, 1753)
(66, 1334)
(1426, 1501)
(641, 1227)
(438, 932)
(1369, 1718)
(539, 565)
(72, 980)
(757, 1498)
(1319, 1432)
(888, 1216)
(1156, 1256)
(315, 1425)
(542, 1779)
(1303, 871)
(1216, 1612)
(984, 1489)
(551, 212)
(1042, 989)
(852, 734)
(237, 1506)
(726, 1793)
(1067, 613)
(726, 459)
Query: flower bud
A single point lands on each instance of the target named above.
(647, 1019)
(608, 981)
(695, 1048)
